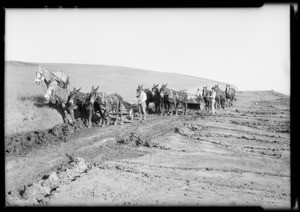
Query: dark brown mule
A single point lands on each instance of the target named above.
(220, 97)
(106, 103)
(173, 98)
(157, 99)
(230, 93)
(81, 101)
(149, 98)
(205, 94)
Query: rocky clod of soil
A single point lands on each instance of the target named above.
(36, 193)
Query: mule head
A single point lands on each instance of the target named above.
(204, 91)
(73, 95)
(39, 76)
(163, 89)
(155, 89)
(139, 91)
(93, 94)
(227, 88)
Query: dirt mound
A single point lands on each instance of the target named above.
(135, 140)
(23, 143)
(188, 129)
(138, 140)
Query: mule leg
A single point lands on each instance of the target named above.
(147, 107)
(185, 108)
(167, 108)
(164, 108)
(158, 108)
(120, 109)
(102, 121)
(66, 120)
(82, 113)
(207, 104)
(71, 110)
(117, 117)
(161, 107)
(90, 116)
(102, 116)
(108, 118)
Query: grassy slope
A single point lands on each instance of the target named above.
(19, 81)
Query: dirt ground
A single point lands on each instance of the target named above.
(238, 157)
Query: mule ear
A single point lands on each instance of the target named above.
(74, 89)
(92, 87)
(141, 86)
(79, 89)
(157, 85)
(97, 88)
(166, 85)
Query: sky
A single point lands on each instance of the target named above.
(246, 47)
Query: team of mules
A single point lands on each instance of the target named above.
(165, 100)
(222, 97)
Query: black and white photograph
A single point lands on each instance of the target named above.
(148, 106)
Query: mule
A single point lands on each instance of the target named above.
(149, 98)
(173, 98)
(230, 93)
(220, 97)
(205, 94)
(157, 99)
(81, 101)
(52, 80)
(106, 102)
(57, 89)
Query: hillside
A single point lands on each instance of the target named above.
(19, 83)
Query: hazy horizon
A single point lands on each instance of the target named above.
(246, 47)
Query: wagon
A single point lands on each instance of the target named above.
(193, 103)
(193, 106)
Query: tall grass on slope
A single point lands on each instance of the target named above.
(37, 98)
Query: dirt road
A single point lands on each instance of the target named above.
(240, 156)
